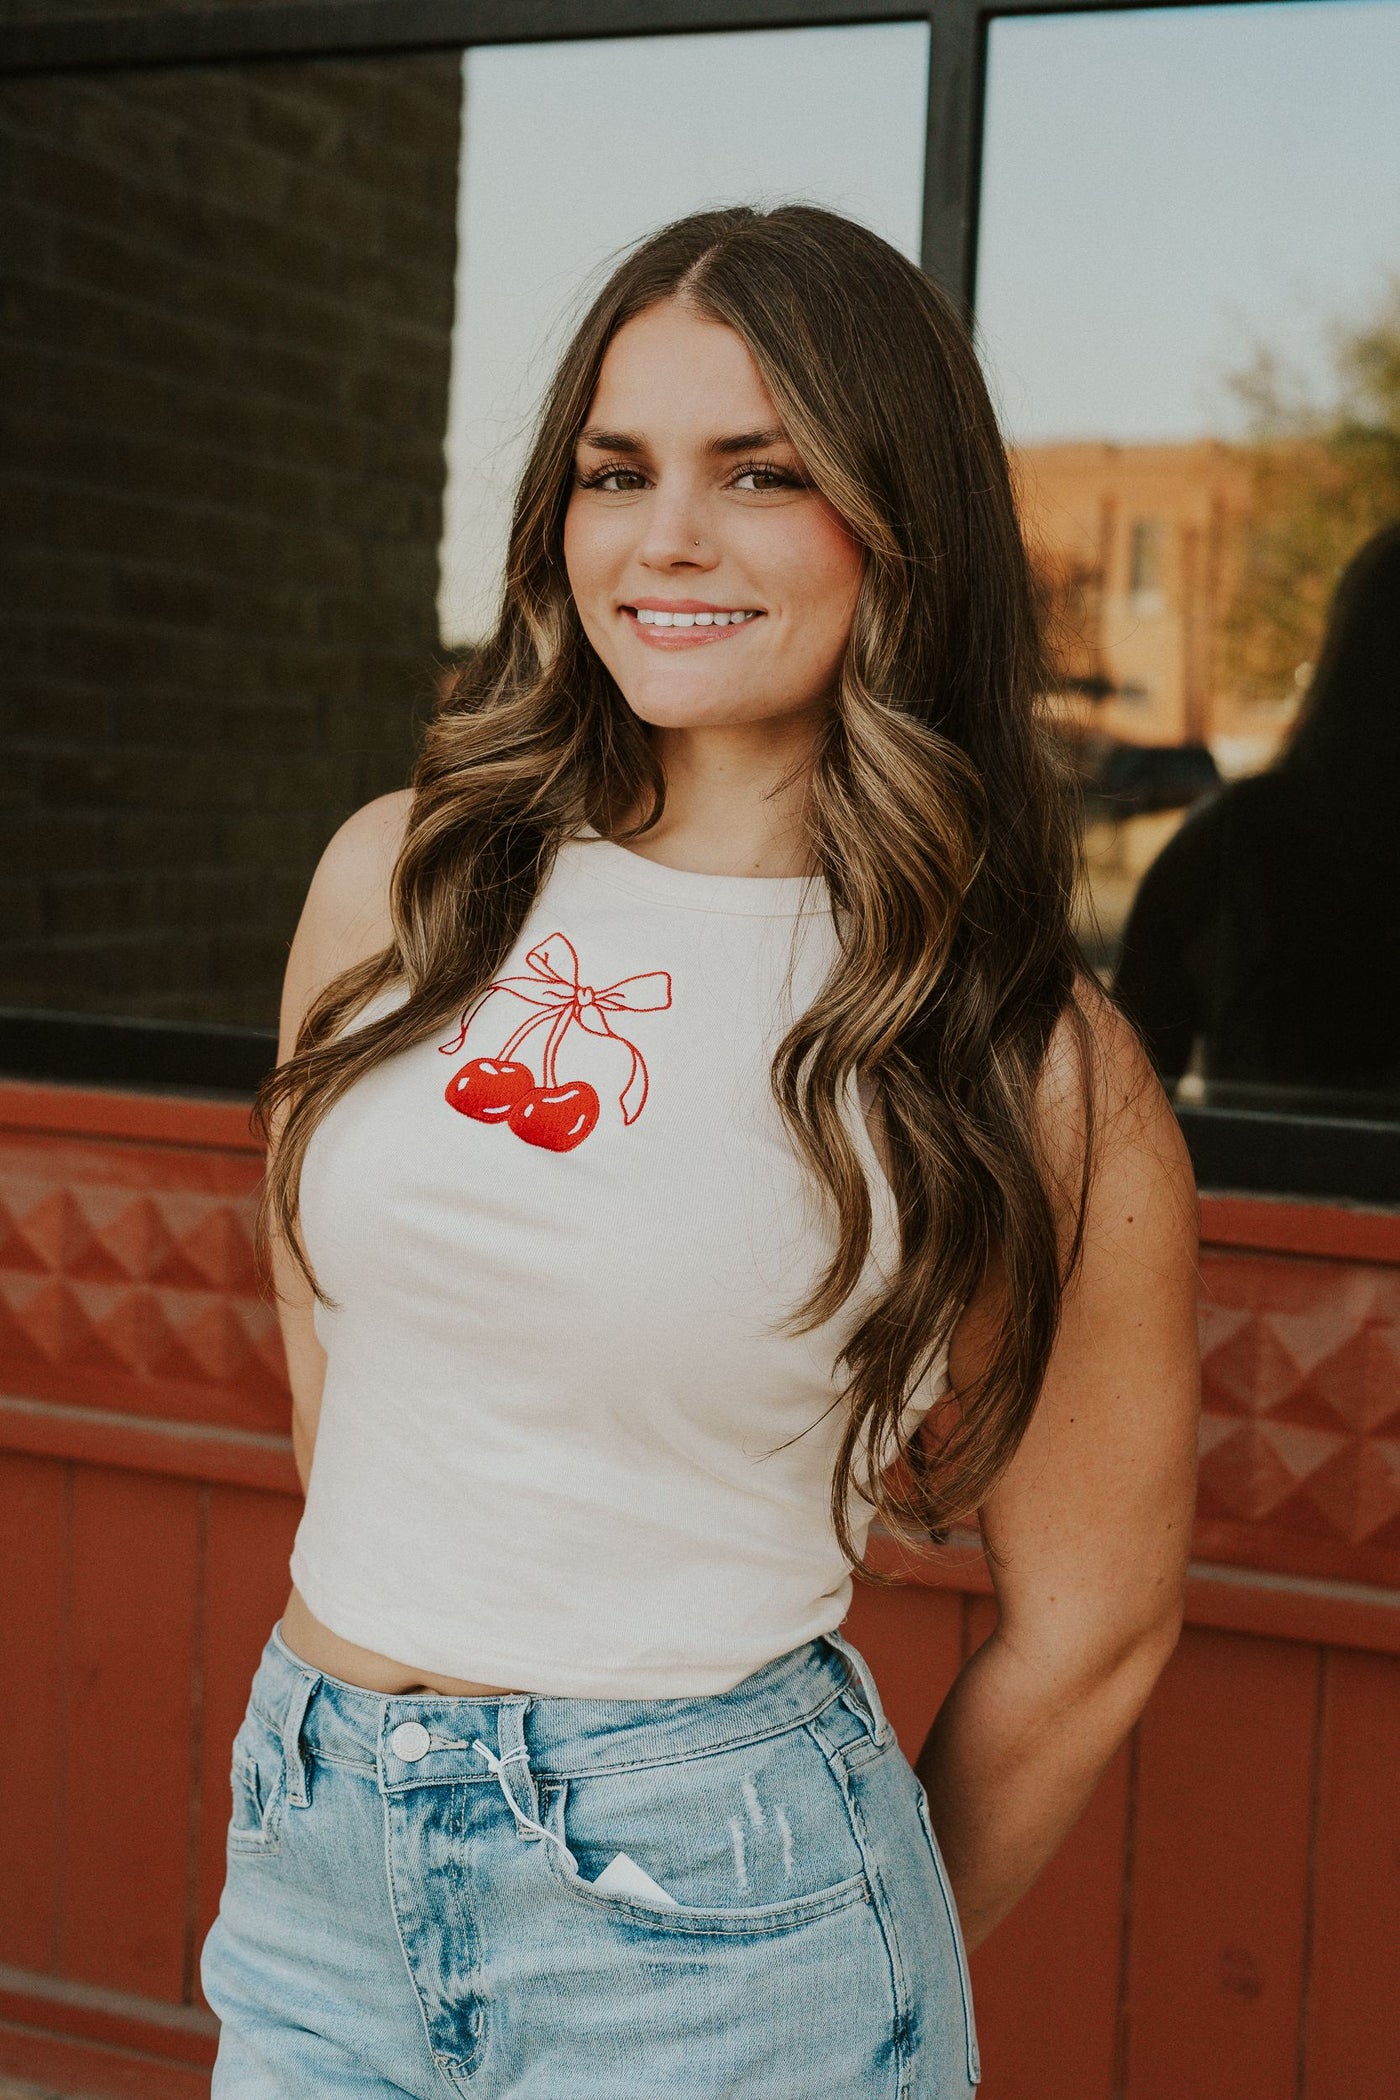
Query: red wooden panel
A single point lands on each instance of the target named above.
(1220, 1853)
(167, 1119)
(247, 1583)
(94, 2072)
(1353, 2025)
(189, 1450)
(33, 1545)
(1046, 1983)
(912, 1640)
(1282, 1225)
(136, 1585)
(108, 2019)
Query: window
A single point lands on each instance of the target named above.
(1145, 596)
(275, 331)
(274, 336)
(1188, 294)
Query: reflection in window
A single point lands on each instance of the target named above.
(573, 150)
(225, 355)
(1145, 567)
(1207, 435)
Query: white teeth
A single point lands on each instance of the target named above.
(649, 618)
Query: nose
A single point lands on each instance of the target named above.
(676, 532)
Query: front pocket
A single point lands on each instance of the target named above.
(974, 2064)
(258, 1784)
(751, 1839)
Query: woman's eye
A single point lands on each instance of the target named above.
(769, 477)
(604, 475)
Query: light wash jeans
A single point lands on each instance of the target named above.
(411, 1903)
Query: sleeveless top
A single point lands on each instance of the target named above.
(563, 1444)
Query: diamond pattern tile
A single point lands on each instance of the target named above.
(127, 1282)
(1300, 1434)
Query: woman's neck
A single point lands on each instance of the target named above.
(731, 810)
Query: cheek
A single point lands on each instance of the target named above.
(589, 555)
(825, 565)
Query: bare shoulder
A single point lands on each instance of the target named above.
(345, 918)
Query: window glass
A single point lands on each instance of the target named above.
(1188, 298)
(640, 130)
(261, 431)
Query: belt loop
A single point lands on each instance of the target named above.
(512, 1769)
(298, 1795)
(874, 1714)
(510, 1736)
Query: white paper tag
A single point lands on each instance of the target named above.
(623, 1877)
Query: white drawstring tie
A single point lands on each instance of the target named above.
(535, 1829)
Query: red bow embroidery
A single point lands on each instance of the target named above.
(556, 988)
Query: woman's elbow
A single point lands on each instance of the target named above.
(1126, 1670)
(1113, 1666)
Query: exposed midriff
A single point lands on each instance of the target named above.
(336, 1657)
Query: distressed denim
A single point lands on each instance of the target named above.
(411, 1904)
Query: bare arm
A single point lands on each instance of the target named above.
(1092, 1519)
(345, 919)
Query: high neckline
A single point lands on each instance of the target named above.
(761, 896)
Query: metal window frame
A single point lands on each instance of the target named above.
(1279, 1154)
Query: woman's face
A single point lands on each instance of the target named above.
(688, 499)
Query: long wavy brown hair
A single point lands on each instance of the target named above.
(936, 808)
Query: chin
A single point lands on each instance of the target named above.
(679, 711)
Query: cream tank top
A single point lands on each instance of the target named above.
(563, 1445)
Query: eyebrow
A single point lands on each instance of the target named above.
(720, 447)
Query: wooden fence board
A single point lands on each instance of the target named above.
(136, 1587)
(1220, 1860)
(1352, 2039)
(33, 1743)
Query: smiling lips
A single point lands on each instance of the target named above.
(688, 627)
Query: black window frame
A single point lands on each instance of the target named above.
(1293, 1154)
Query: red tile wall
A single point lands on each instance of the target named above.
(1224, 1923)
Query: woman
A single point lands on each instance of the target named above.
(690, 1090)
(1266, 933)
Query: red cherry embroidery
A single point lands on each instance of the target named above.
(500, 1089)
(488, 1088)
(557, 1117)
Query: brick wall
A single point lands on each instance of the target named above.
(224, 352)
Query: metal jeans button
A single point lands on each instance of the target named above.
(410, 1741)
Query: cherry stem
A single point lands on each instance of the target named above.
(514, 1041)
(562, 1022)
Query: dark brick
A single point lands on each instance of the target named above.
(229, 298)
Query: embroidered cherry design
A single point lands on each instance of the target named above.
(488, 1088)
(502, 1089)
(557, 1117)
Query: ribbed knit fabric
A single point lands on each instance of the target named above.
(561, 1239)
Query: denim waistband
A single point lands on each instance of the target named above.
(425, 1738)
